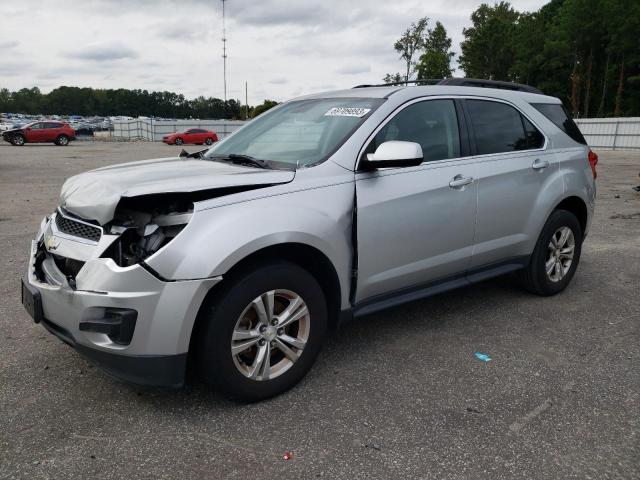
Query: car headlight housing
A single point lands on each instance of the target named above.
(142, 232)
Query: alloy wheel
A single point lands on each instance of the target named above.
(560, 253)
(270, 335)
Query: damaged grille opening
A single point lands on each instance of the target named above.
(68, 266)
(40, 256)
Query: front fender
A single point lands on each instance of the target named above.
(218, 238)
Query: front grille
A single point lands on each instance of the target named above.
(77, 229)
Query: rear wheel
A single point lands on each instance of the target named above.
(62, 140)
(178, 141)
(17, 140)
(556, 256)
(262, 333)
(209, 141)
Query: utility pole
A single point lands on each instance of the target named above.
(224, 53)
(246, 101)
(224, 66)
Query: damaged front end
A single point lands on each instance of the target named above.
(145, 225)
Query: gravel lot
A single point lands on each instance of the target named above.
(395, 395)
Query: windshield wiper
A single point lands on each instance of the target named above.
(239, 159)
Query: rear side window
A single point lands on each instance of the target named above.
(499, 127)
(52, 125)
(558, 115)
(433, 124)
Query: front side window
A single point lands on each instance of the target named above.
(432, 123)
(498, 127)
(302, 132)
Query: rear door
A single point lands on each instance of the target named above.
(516, 170)
(414, 225)
(50, 131)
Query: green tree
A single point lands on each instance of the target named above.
(488, 48)
(263, 107)
(393, 78)
(435, 62)
(410, 43)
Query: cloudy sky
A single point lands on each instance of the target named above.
(282, 48)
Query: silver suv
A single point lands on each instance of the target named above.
(235, 261)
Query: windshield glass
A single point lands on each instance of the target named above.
(302, 132)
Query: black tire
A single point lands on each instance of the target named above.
(209, 141)
(18, 140)
(534, 277)
(62, 140)
(178, 141)
(214, 359)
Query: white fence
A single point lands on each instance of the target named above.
(611, 133)
(153, 130)
(602, 133)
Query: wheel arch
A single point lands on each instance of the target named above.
(578, 207)
(303, 255)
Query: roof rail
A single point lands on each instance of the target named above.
(424, 81)
(474, 82)
(462, 82)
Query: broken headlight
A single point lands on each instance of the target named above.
(142, 233)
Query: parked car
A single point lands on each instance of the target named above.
(236, 261)
(196, 136)
(40, 132)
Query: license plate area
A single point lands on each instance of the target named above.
(32, 302)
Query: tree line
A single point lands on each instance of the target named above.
(114, 102)
(585, 52)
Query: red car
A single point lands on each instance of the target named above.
(191, 135)
(41, 132)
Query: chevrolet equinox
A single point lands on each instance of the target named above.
(235, 261)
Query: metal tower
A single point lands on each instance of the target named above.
(224, 53)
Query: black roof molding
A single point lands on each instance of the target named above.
(475, 82)
(463, 82)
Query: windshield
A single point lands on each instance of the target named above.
(300, 133)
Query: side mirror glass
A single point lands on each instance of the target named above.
(395, 153)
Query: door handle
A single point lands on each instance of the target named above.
(459, 181)
(539, 164)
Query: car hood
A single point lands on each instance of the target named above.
(95, 194)
(13, 130)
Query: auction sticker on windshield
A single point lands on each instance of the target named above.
(347, 112)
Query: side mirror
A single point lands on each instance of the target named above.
(395, 154)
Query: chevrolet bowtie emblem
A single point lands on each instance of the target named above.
(52, 243)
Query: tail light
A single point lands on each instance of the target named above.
(593, 161)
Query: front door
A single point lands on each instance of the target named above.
(416, 225)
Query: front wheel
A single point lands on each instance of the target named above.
(178, 141)
(555, 258)
(261, 334)
(17, 140)
(209, 141)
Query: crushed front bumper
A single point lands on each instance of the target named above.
(155, 352)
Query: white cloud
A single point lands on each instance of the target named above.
(281, 48)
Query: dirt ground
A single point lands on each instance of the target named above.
(398, 394)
